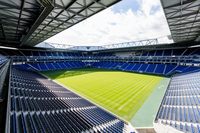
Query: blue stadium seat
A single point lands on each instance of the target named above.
(181, 103)
(43, 106)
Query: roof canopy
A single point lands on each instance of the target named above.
(183, 18)
(29, 22)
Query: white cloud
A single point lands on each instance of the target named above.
(108, 27)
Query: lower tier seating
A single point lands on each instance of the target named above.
(38, 105)
(161, 69)
(180, 107)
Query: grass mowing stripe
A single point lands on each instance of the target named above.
(123, 93)
(130, 94)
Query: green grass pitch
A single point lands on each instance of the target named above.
(122, 93)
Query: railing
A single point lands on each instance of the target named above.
(4, 70)
(183, 60)
(7, 121)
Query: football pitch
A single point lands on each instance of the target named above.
(122, 93)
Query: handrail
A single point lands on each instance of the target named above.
(7, 121)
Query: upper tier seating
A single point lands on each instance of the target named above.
(162, 62)
(46, 66)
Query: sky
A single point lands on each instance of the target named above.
(126, 21)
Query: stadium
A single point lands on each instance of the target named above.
(130, 87)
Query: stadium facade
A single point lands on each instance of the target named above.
(32, 103)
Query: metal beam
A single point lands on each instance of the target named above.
(179, 4)
(59, 6)
(185, 23)
(72, 2)
(20, 14)
(185, 28)
(184, 15)
(48, 7)
(6, 17)
(3, 33)
(188, 32)
(76, 13)
(12, 6)
(183, 18)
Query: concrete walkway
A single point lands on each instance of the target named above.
(146, 114)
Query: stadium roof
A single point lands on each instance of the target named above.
(29, 22)
(183, 17)
(148, 42)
